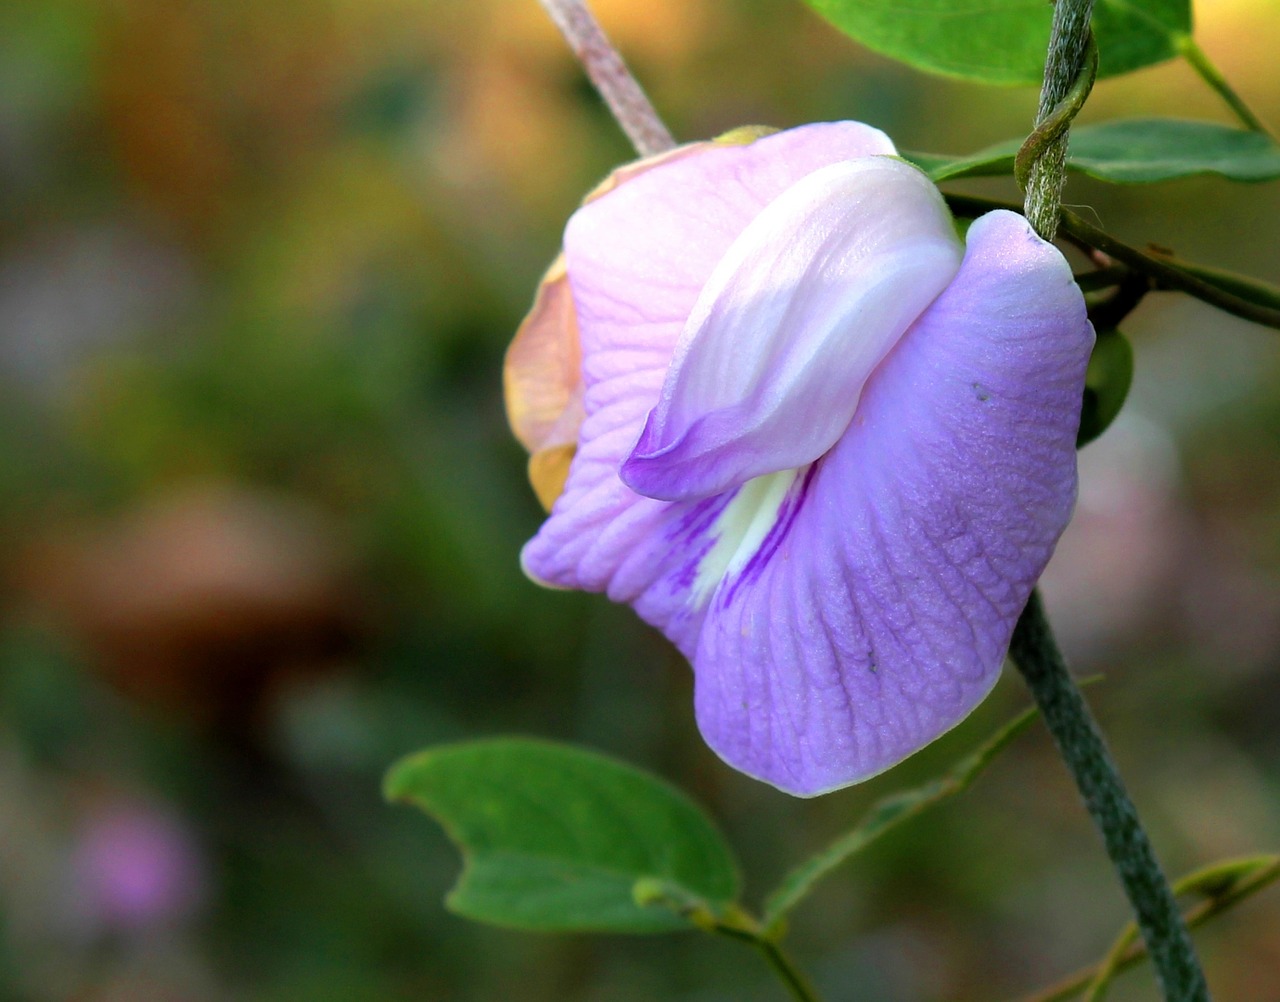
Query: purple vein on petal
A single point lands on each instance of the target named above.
(755, 564)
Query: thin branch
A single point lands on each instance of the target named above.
(1061, 97)
(606, 70)
(1079, 741)
(788, 973)
(1209, 285)
(1266, 873)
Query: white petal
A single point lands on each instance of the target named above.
(793, 320)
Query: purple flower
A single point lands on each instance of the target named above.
(823, 445)
(136, 868)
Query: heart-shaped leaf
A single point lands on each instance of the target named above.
(556, 838)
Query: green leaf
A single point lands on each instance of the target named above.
(993, 161)
(1141, 150)
(1004, 41)
(884, 816)
(556, 838)
(1106, 385)
(1133, 151)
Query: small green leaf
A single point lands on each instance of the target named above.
(1004, 41)
(1133, 151)
(885, 815)
(994, 161)
(1106, 385)
(1141, 150)
(556, 838)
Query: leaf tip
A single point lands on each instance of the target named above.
(396, 784)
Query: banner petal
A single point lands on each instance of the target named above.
(883, 616)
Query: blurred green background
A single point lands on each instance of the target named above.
(258, 266)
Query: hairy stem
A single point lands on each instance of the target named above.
(1068, 46)
(1210, 74)
(1080, 743)
(606, 70)
(1052, 126)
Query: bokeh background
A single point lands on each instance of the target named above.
(258, 266)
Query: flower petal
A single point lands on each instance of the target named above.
(793, 320)
(677, 220)
(542, 372)
(883, 615)
(639, 256)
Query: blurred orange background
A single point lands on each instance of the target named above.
(258, 266)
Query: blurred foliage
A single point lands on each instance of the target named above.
(258, 266)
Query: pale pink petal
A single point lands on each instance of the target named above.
(638, 258)
(796, 315)
(542, 372)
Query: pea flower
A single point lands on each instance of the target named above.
(777, 405)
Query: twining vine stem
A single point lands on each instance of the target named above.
(1076, 733)
(1069, 42)
(1033, 649)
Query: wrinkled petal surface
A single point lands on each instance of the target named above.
(795, 317)
(883, 615)
(844, 614)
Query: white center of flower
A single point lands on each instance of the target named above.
(741, 529)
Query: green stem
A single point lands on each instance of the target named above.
(1080, 743)
(1052, 125)
(1066, 63)
(1211, 75)
(1171, 273)
(1106, 314)
(1106, 973)
(1103, 278)
(1206, 284)
(884, 816)
(737, 923)
(1241, 286)
(788, 973)
(1265, 873)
